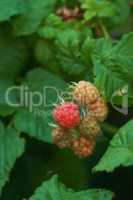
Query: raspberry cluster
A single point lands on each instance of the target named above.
(75, 131)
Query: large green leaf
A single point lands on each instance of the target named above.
(63, 45)
(112, 65)
(105, 79)
(45, 53)
(29, 22)
(120, 17)
(39, 80)
(69, 51)
(120, 150)
(11, 147)
(13, 56)
(10, 8)
(34, 124)
(34, 119)
(7, 97)
(53, 25)
(94, 8)
(121, 56)
(54, 190)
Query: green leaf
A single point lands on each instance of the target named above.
(35, 125)
(45, 53)
(54, 190)
(94, 8)
(69, 46)
(53, 26)
(48, 84)
(6, 97)
(120, 17)
(9, 8)
(11, 148)
(29, 22)
(107, 81)
(121, 56)
(112, 65)
(35, 118)
(120, 150)
(63, 44)
(13, 56)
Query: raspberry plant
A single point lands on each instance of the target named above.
(66, 99)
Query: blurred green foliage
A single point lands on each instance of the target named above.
(41, 48)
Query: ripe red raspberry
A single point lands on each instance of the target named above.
(83, 147)
(89, 127)
(67, 115)
(85, 93)
(61, 137)
(98, 110)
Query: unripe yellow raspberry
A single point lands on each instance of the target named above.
(83, 147)
(85, 93)
(61, 137)
(89, 127)
(98, 110)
